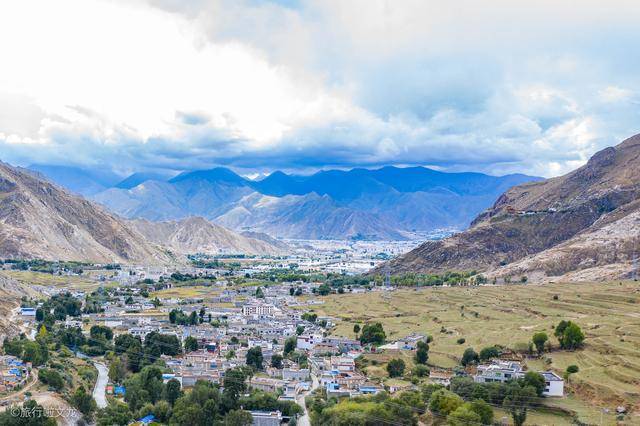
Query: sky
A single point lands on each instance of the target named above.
(498, 86)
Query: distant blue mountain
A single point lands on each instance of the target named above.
(349, 185)
(137, 178)
(219, 174)
(386, 203)
(81, 181)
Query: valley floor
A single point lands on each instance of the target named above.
(609, 314)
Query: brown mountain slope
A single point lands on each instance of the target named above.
(41, 220)
(198, 235)
(10, 293)
(579, 221)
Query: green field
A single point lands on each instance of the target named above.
(609, 314)
(82, 282)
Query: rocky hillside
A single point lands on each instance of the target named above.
(198, 235)
(40, 220)
(583, 225)
(10, 293)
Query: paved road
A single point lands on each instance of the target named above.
(99, 391)
(304, 419)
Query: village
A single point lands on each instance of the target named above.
(220, 324)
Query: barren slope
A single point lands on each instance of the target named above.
(198, 235)
(40, 220)
(586, 219)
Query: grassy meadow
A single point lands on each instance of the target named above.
(609, 314)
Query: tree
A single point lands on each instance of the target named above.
(52, 378)
(488, 353)
(463, 416)
(101, 332)
(84, 402)
(420, 371)
(299, 330)
(193, 318)
(395, 367)
(572, 369)
(162, 344)
(535, 380)
(356, 329)
(234, 384)
(172, 391)
(373, 333)
(35, 353)
(116, 413)
(422, 353)
(190, 344)
(309, 316)
(324, 289)
(276, 361)
(469, 357)
(259, 293)
(517, 401)
(254, 357)
(290, 345)
(238, 418)
(484, 410)
(134, 356)
(122, 342)
(443, 402)
(117, 371)
(539, 340)
(572, 338)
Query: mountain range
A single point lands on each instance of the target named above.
(581, 226)
(389, 203)
(39, 219)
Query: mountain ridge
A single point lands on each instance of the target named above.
(384, 203)
(38, 219)
(539, 228)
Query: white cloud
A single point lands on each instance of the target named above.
(256, 85)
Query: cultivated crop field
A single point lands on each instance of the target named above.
(609, 314)
(51, 280)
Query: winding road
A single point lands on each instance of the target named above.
(99, 391)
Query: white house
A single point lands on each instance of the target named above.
(266, 418)
(498, 371)
(554, 384)
(258, 309)
(28, 312)
(308, 341)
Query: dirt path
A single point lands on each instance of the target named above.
(33, 381)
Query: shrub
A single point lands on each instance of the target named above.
(395, 367)
(469, 357)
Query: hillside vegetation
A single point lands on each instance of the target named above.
(509, 316)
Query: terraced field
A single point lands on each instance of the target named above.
(84, 283)
(609, 314)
